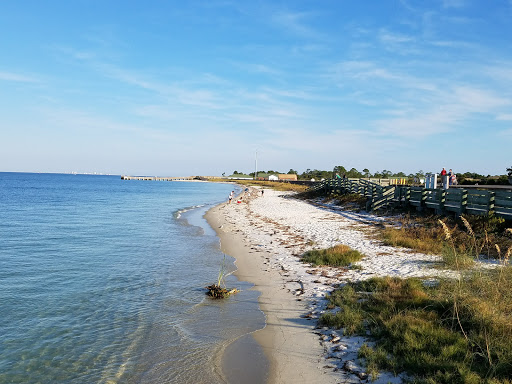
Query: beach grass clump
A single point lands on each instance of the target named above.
(471, 236)
(219, 289)
(338, 256)
(348, 315)
(421, 238)
(457, 260)
(349, 201)
(374, 359)
(456, 331)
(348, 318)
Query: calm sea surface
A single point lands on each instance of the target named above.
(101, 281)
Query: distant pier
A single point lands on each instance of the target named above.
(157, 178)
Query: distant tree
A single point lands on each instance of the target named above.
(366, 172)
(340, 170)
(235, 172)
(386, 174)
(400, 174)
(292, 172)
(223, 174)
(420, 174)
(354, 173)
(316, 174)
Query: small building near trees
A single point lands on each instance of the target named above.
(287, 176)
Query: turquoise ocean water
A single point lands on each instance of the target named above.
(102, 281)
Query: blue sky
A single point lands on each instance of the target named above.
(198, 87)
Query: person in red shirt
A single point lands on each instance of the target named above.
(443, 172)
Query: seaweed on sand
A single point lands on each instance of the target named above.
(219, 290)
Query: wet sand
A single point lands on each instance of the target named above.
(294, 352)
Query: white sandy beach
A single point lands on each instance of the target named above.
(266, 235)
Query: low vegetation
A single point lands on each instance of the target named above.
(219, 289)
(338, 256)
(458, 331)
(350, 198)
(471, 236)
(278, 186)
(450, 331)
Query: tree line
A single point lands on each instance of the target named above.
(463, 178)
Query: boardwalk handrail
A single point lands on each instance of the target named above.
(381, 194)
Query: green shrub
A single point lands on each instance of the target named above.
(458, 331)
(337, 256)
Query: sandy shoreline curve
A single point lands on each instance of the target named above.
(288, 341)
(266, 234)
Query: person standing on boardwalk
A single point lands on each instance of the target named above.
(453, 178)
(444, 179)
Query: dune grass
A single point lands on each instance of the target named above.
(278, 186)
(458, 331)
(338, 256)
(470, 237)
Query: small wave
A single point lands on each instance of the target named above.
(179, 212)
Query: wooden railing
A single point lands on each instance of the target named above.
(381, 194)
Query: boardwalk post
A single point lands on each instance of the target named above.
(463, 201)
(442, 200)
(490, 207)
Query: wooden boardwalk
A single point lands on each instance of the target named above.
(476, 200)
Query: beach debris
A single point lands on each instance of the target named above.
(219, 290)
(335, 339)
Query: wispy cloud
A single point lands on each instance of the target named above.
(295, 23)
(16, 77)
(258, 68)
(447, 112)
(504, 117)
(361, 70)
(167, 89)
(454, 3)
(390, 38)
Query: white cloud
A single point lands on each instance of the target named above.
(361, 70)
(16, 77)
(447, 111)
(504, 117)
(473, 100)
(393, 38)
(454, 3)
(294, 22)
